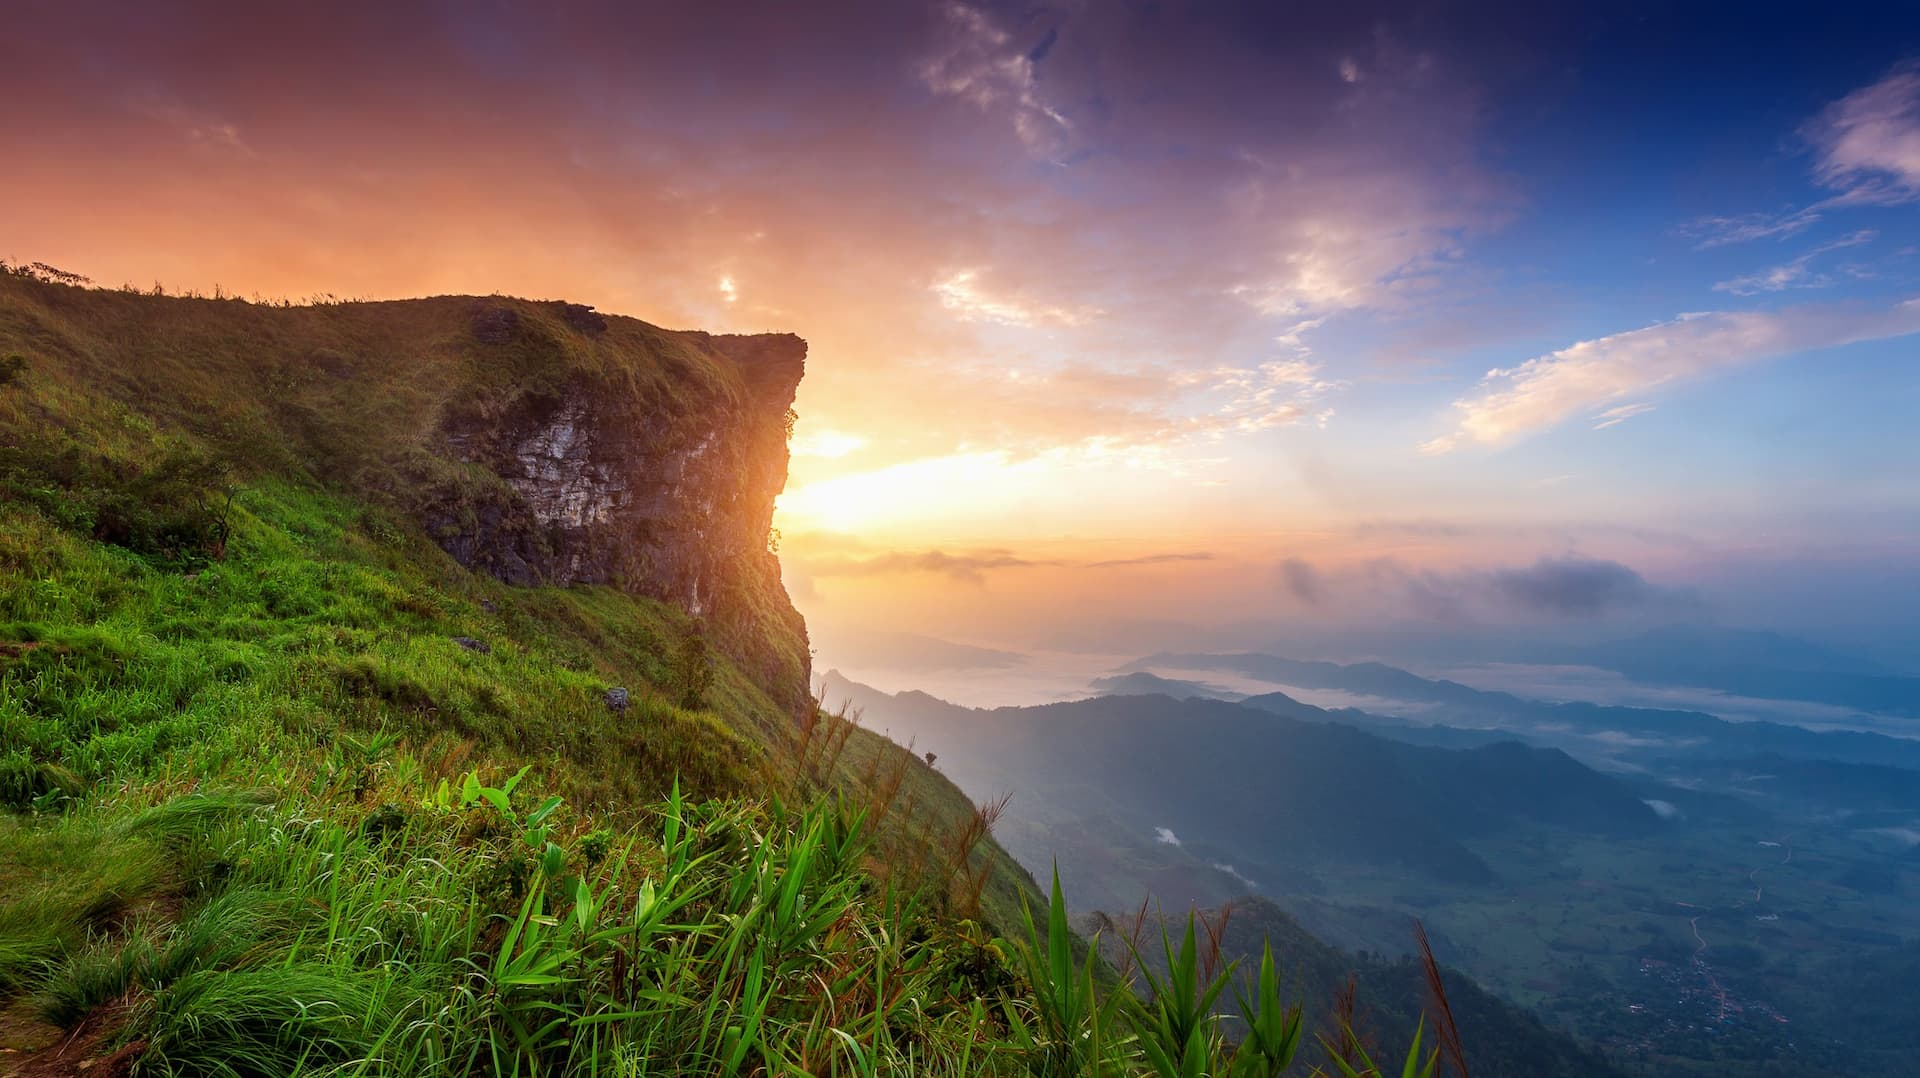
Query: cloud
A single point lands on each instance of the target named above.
(981, 63)
(1544, 391)
(1721, 231)
(1151, 559)
(1869, 141)
(1795, 274)
(1564, 587)
(1301, 580)
(1165, 836)
(1666, 810)
(203, 130)
(1867, 150)
(1276, 393)
(1571, 587)
(971, 567)
(1421, 529)
(968, 568)
(963, 294)
(1615, 416)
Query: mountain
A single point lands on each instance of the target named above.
(1141, 683)
(1639, 734)
(1757, 664)
(1289, 790)
(1693, 650)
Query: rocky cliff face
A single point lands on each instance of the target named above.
(541, 442)
(663, 490)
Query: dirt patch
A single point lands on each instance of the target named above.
(87, 1050)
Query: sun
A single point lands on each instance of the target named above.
(901, 498)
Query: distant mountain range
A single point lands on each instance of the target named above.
(1632, 733)
(1199, 801)
(1664, 883)
(1747, 663)
(1254, 780)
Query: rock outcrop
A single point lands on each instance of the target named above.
(662, 489)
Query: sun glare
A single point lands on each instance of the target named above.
(894, 498)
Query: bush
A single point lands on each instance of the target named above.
(176, 508)
(692, 672)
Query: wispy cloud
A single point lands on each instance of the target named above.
(980, 62)
(968, 567)
(1593, 375)
(1151, 559)
(965, 295)
(204, 130)
(972, 566)
(1869, 141)
(1615, 416)
(1798, 273)
(1275, 393)
(1867, 147)
(1713, 232)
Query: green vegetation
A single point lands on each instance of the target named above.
(286, 790)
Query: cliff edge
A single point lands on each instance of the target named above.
(543, 443)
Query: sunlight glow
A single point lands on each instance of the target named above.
(957, 493)
(827, 443)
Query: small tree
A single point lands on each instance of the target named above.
(691, 674)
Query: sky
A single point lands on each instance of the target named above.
(1130, 323)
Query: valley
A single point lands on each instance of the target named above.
(1691, 896)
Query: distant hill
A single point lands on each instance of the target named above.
(1141, 683)
(1752, 664)
(1683, 648)
(1260, 783)
(1449, 703)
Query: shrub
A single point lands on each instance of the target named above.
(176, 508)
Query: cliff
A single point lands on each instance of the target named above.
(540, 442)
(668, 496)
